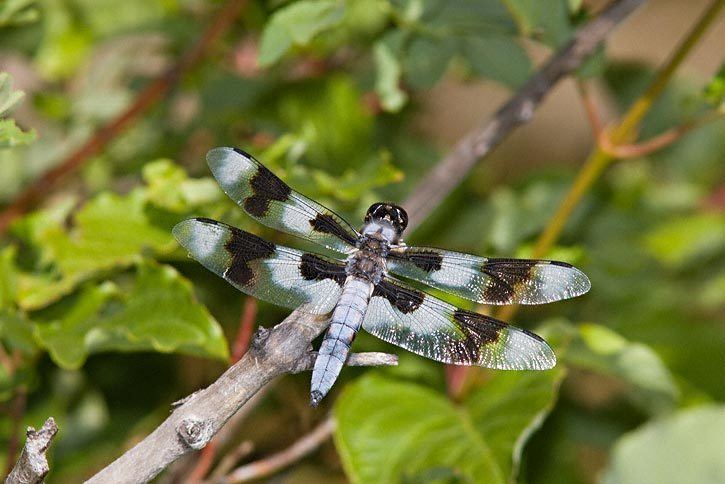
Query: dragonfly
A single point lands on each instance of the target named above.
(369, 285)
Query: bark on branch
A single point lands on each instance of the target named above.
(32, 466)
(282, 349)
(480, 141)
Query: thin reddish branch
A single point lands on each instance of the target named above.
(643, 148)
(228, 461)
(590, 108)
(652, 145)
(203, 464)
(145, 99)
(269, 465)
(246, 328)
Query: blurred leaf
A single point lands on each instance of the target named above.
(159, 313)
(684, 447)
(545, 20)
(8, 277)
(8, 97)
(17, 12)
(16, 331)
(464, 17)
(354, 184)
(518, 215)
(69, 337)
(310, 112)
(10, 134)
(169, 187)
(390, 431)
(65, 42)
(712, 295)
(110, 231)
(602, 350)
(297, 24)
(714, 92)
(679, 241)
(387, 82)
(498, 58)
(426, 60)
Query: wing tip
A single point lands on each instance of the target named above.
(529, 351)
(230, 165)
(181, 231)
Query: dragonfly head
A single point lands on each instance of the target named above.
(387, 219)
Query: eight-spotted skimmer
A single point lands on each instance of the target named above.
(363, 290)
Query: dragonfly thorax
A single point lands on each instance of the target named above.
(369, 261)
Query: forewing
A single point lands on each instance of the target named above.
(440, 331)
(279, 275)
(488, 280)
(268, 199)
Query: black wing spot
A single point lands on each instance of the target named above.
(326, 224)
(315, 268)
(210, 221)
(505, 274)
(479, 331)
(403, 299)
(245, 248)
(560, 264)
(266, 186)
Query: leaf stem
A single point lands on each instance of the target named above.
(624, 132)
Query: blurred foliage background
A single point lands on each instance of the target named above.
(104, 321)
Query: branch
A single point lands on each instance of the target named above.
(273, 352)
(33, 464)
(626, 130)
(450, 171)
(144, 101)
(270, 465)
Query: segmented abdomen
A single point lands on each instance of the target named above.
(346, 320)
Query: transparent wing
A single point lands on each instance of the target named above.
(440, 331)
(279, 275)
(488, 280)
(268, 199)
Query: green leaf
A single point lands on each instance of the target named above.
(602, 350)
(16, 331)
(9, 98)
(387, 82)
(427, 59)
(390, 431)
(17, 12)
(110, 231)
(8, 277)
(714, 92)
(296, 25)
(310, 111)
(682, 240)
(169, 187)
(66, 42)
(10, 134)
(546, 20)
(158, 313)
(498, 58)
(685, 447)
